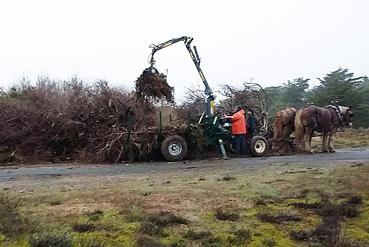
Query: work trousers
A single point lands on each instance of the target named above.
(240, 143)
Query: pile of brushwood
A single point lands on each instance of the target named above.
(70, 120)
(56, 121)
(153, 86)
(53, 121)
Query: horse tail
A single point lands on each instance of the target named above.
(278, 125)
(299, 127)
(284, 123)
(293, 117)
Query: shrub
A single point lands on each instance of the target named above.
(178, 243)
(226, 214)
(269, 242)
(164, 218)
(83, 227)
(56, 121)
(153, 223)
(193, 235)
(11, 222)
(241, 236)
(49, 239)
(92, 243)
(147, 241)
(228, 178)
(95, 215)
(150, 228)
(329, 232)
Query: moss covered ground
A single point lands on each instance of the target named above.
(276, 205)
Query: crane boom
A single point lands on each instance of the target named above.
(210, 105)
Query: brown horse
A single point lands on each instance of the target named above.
(322, 119)
(283, 127)
(284, 123)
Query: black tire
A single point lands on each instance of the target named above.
(259, 146)
(174, 148)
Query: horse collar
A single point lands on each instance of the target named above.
(338, 112)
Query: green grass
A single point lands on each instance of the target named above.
(254, 209)
(349, 138)
(353, 138)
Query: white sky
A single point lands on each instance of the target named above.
(268, 41)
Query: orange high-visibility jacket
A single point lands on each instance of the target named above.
(239, 123)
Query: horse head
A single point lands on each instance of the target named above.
(346, 115)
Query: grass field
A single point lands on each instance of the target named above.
(278, 205)
(350, 138)
(353, 138)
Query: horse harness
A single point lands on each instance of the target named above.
(315, 123)
(338, 113)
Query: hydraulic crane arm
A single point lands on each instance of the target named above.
(196, 60)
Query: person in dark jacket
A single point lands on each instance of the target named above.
(251, 124)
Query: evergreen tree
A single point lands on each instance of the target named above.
(343, 87)
(275, 98)
(291, 94)
(295, 93)
(361, 113)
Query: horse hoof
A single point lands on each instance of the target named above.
(332, 150)
(325, 151)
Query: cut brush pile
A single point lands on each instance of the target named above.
(67, 121)
(152, 85)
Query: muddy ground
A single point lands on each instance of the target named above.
(272, 201)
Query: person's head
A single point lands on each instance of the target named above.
(237, 108)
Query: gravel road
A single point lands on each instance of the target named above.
(10, 173)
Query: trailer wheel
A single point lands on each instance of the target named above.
(259, 146)
(174, 148)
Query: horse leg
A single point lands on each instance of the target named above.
(299, 137)
(311, 137)
(324, 143)
(302, 141)
(331, 142)
(308, 135)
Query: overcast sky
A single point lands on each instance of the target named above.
(268, 41)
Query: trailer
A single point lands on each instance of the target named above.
(210, 131)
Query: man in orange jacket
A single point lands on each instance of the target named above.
(238, 129)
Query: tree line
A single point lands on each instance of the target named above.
(340, 87)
